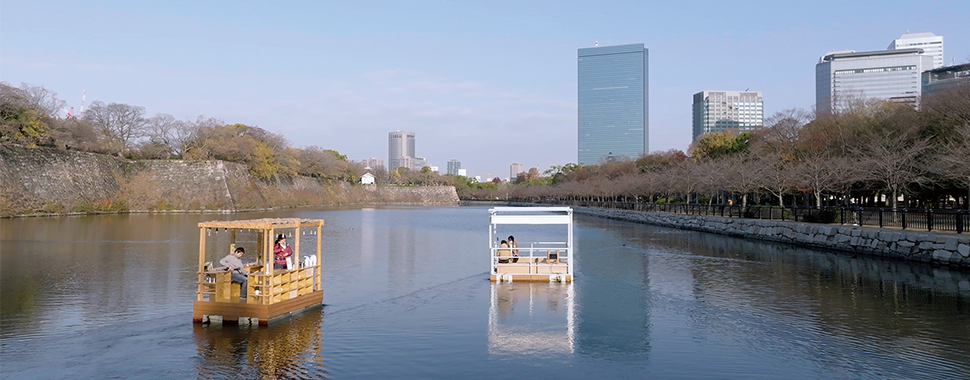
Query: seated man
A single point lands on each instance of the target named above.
(235, 265)
(504, 252)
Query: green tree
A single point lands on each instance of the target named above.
(719, 144)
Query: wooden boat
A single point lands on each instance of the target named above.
(532, 261)
(271, 293)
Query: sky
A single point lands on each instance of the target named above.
(486, 83)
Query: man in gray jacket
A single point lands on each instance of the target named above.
(235, 265)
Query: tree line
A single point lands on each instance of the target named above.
(32, 116)
(866, 152)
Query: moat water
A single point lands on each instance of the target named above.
(407, 295)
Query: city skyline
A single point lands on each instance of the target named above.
(477, 81)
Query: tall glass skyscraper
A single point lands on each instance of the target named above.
(613, 103)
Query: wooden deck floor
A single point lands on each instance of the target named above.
(540, 270)
(234, 309)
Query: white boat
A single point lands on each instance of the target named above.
(552, 260)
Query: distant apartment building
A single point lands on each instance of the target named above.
(931, 44)
(373, 162)
(400, 150)
(892, 75)
(940, 79)
(419, 163)
(453, 167)
(613, 112)
(514, 171)
(717, 111)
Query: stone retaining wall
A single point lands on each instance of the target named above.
(48, 181)
(945, 249)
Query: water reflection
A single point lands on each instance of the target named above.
(285, 351)
(400, 255)
(531, 319)
(110, 296)
(612, 297)
(367, 237)
(839, 306)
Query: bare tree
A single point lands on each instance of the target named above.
(160, 130)
(119, 124)
(894, 159)
(742, 174)
(776, 176)
(819, 172)
(41, 100)
(954, 163)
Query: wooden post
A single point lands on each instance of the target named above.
(295, 258)
(317, 271)
(201, 277)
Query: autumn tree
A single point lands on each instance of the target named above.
(20, 122)
(718, 144)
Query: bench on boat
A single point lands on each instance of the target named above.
(534, 265)
(219, 282)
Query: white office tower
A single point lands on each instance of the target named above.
(931, 44)
(400, 150)
(718, 111)
(419, 163)
(846, 76)
(514, 171)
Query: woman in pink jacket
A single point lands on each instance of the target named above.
(281, 251)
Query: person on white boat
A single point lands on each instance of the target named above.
(515, 250)
(235, 265)
(504, 252)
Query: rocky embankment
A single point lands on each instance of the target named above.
(50, 181)
(952, 250)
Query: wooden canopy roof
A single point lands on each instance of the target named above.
(263, 224)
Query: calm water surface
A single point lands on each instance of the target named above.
(407, 296)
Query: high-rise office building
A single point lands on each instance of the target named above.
(892, 75)
(400, 150)
(453, 166)
(514, 171)
(716, 111)
(931, 44)
(613, 102)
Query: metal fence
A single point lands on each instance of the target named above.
(908, 219)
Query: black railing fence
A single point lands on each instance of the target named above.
(907, 219)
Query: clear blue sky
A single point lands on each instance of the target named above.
(487, 83)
